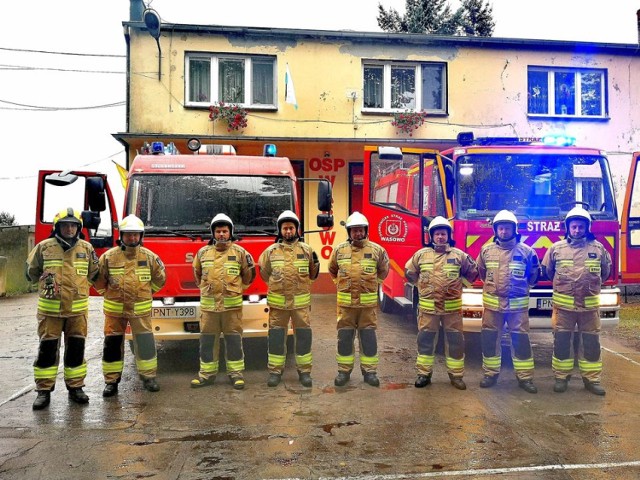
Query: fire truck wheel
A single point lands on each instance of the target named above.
(387, 304)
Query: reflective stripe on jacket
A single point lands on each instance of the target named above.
(508, 269)
(128, 279)
(222, 275)
(64, 276)
(439, 275)
(577, 268)
(357, 270)
(288, 270)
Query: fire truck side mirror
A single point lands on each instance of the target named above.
(96, 194)
(324, 196)
(325, 220)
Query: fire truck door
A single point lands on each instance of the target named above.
(87, 192)
(630, 226)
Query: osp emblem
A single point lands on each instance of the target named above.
(393, 228)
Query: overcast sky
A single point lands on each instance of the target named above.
(59, 111)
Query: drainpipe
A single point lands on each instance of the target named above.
(638, 17)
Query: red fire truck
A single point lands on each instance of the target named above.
(539, 180)
(176, 196)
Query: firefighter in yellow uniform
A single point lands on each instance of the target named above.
(64, 266)
(508, 269)
(223, 270)
(439, 270)
(357, 266)
(129, 276)
(577, 265)
(288, 267)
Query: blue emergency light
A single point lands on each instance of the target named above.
(157, 148)
(269, 150)
(559, 140)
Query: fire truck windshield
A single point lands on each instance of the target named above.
(533, 185)
(187, 203)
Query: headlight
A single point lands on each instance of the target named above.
(472, 299)
(609, 299)
(254, 298)
(168, 300)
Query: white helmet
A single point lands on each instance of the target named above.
(221, 219)
(578, 213)
(439, 222)
(356, 219)
(288, 216)
(505, 216)
(131, 223)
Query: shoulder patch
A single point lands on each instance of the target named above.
(592, 255)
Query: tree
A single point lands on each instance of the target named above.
(473, 18)
(7, 220)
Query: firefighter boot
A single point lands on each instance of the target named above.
(594, 387)
(237, 382)
(77, 395)
(274, 380)
(342, 379)
(151, 385)
(42, 400)
(561, 385)
(202, 382)
(422, 381)
(305, 379)
(488, 381)
(371, 378)
(110, 389)
(457, 382)
(527, 386)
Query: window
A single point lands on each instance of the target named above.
(400, 86)
(567, 92)
(247, 81)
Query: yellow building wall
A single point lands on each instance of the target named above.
(486, 93)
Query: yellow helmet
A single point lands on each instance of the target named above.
(68, 215)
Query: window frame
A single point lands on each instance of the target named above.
(387, 66)
(214, 62)
(577, 94)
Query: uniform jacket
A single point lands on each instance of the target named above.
(357, 270)
(577, 268)
(439, 273)
(508, 269)
(222, 275)
(128, 279)
(288, 270)
(64, 276)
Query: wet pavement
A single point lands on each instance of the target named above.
(392, 432)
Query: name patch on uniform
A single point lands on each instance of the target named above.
(368, 255)
(142, 263)
(517, 258)
(300, 256)
(232, 258)
(592, 255)
(81, 255)
(451, 260)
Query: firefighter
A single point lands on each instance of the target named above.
(357, 266)
(508, 269)
(577, 266)
(129, 276)
(64, 266)
(439, 270)
(222, 270)
(288, 267)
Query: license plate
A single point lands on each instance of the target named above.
(545, 304)
(173, 312)
(193, 327)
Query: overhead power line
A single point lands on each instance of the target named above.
(27, 68)
(103, 55)
(40, 108)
